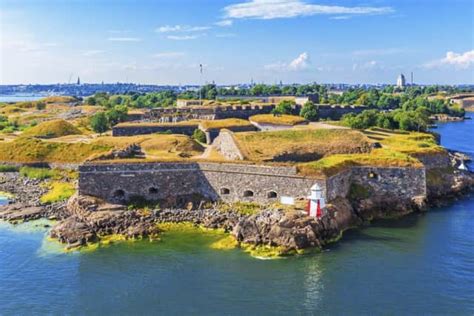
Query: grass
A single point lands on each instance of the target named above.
(30, 150)
(413, 143)
(245, 208)
(52, 129)
(300, 145)
(289, 120)
(38, 173)
(226, 123)
(59, 191)
(8, 168)
(331, 165)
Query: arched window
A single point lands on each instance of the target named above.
(225, 191)
(153, 190)
(272, 195)
(119, 194)
(248, 193)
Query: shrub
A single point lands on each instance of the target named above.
(199, 135)
(37, 173)
(309, 111)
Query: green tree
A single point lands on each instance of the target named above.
(309, 111)
(99, 122)
(40, 105)
(117, 114)
(284, 107)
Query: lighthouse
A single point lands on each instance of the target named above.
(316, 202)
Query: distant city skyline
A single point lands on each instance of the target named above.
(293, 41)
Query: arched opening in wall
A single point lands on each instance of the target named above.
(272, 195)
(119, 194)
(153, 190)
(225, 191)
(248, 193)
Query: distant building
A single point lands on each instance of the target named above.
(401, 82)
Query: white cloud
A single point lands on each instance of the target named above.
(168, 55)
(301, 62)
(224, 23)
(92, 52)
(124, 39)
(181, 28)
(273, 9)
(460, 61)
(183, 37)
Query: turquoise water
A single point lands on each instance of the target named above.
(421, 264)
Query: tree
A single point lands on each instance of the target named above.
(309, 111)
(117, 114)
(99, 122)
(284, 107)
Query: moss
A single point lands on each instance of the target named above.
(358, 192)
(59, 191)
(225, 243)
(263, 251)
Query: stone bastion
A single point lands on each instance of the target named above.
(177, 183)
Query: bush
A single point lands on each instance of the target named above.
(199, 135)
(309, 111)
(37, 173)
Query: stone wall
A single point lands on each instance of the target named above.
(176, 183)
(241, 111)
(430, 161)
(212, 133)
(403, 183)
(142, 129)
(226, 145)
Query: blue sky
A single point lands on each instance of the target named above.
(295, 41)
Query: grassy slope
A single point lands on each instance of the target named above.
(52, 129)
(277, 120)
(226, 123)
(259, 146)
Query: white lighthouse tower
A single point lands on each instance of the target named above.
(316, 202)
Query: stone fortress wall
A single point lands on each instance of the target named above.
(176, 183)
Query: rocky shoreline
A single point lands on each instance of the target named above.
(83, 219)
